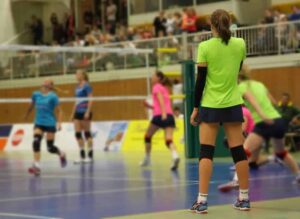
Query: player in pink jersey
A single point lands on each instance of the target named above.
(163, 118)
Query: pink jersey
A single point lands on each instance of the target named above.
(250, 121)
(159, 88)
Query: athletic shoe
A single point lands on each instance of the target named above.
(194, 206)
(63, 160)
(175, 164)
(242, 205)
(227, 187)
(232, 168)
(201, 208)
(34, 170)
(146, 162)
(298, 179)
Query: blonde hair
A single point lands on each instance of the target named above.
(84, 74)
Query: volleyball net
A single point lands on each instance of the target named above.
(121, 91)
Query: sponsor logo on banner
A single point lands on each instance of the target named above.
(5, 131)
(17, 137)
(134, 138)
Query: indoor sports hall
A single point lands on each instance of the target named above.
(149, 109)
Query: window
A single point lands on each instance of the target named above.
(144, 6)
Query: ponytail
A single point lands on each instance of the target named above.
(163, 79)
(221, 20)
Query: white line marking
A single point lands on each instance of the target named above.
(88, 177)
(26, 216)
(93, 192)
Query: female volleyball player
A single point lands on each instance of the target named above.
(162, 118)
(219, 63)
(82, 115)
(268, 124)
(46, 104)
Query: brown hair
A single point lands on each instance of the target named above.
(221, 20)
(163, 79)
(85, 74)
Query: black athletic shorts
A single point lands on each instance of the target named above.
(222, 115)
(80, 116)
(277, 130)
(49, 129)
(168, 123)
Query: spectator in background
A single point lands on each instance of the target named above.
(287, 110)
(292, 44)
(37, 29)
(295, 15)
(123, 14)
(178, 23)
(269, 18)
(78, 41)
(69, 25)
(184, 18)
(190, 22)
(131, 33)
(170, 24)
(159, 24)
(58, 34)
(111, 14)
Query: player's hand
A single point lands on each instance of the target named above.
(58, 126)
(164, 116)
(87, 116)
(193, 118)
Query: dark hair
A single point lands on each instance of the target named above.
(221, 20)
(163, 79)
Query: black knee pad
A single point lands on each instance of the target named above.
(207, 152)
(37, 143)
(238, 154)
(147, 140)
(87, 135)
(51, 148)
(78, 135)
(168, 143)
(282, 155)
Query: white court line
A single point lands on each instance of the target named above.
(126, 190)
(93, 192)
(26, 216)
(88, 177)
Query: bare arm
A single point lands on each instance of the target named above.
(251, 99)
(162, 104)
(59, 116)
(29, 110)
(273, 100)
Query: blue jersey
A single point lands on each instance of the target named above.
(44, 105)
(82, 92)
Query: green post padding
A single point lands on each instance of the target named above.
(191, 134)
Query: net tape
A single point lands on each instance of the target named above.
(90, 49)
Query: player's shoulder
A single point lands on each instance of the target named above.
(53, 94)
(36, 93)
(237, 40)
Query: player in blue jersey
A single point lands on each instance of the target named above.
(82, 115)
(46, 105)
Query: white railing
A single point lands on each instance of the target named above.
(272, 39)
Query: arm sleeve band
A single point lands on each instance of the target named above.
(200, 84)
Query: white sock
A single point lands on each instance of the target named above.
(36, 164)
(175, 154)
(147, 157)
(244, 194)
(235, 177)
(202, 198)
